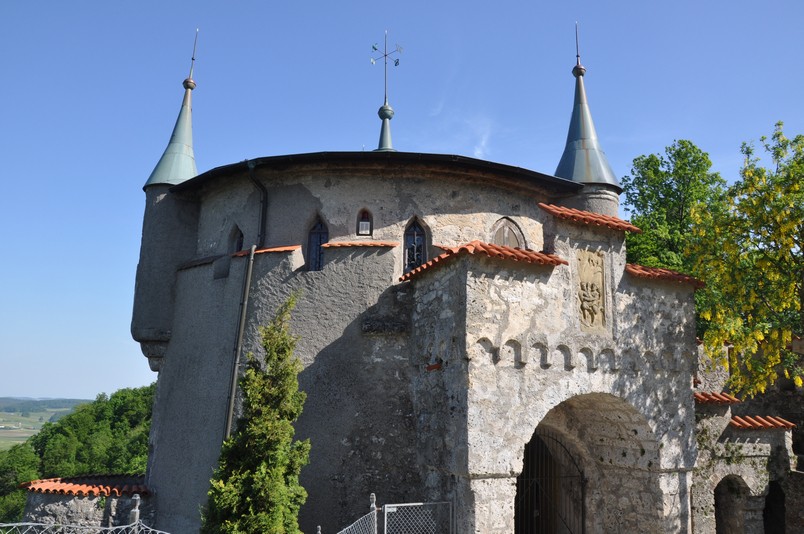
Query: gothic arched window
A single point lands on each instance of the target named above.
(415, 246)
(319, 234)
(506, 233)
(364, 223)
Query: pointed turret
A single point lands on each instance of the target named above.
(168, 238)
(177, 164)
(584, 160)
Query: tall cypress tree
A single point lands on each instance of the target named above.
(256, 486)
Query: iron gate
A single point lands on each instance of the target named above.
(550, 492)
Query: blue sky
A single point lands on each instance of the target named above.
(90, 91)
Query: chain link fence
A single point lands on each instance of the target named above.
(43, 528)
(418, 518)
(408, 518)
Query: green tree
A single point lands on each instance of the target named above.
(660, 193)
(256, 486)
(19, 464)
(109, 435)
(750, 251)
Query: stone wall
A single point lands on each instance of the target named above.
(619, 393)
(90, 511)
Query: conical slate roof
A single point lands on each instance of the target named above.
(177, 164)
(584, 160)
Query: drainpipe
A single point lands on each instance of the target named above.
(241, 328)
(263, 203)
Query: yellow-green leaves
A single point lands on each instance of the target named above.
(748, 249)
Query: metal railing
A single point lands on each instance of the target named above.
(44, 528)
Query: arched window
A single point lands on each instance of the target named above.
(505, 232)
(364, 223)
(415, 246)
(319, 234)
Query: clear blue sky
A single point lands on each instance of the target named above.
(90, 91)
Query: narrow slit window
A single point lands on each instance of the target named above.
(319, 234)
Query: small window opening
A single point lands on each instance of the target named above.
(319, 234)
(415, 246)
(506, 233)
(364, 226)
(236, 240)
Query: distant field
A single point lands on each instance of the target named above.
(17, 426)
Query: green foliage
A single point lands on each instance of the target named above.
(750, 251)
(109, 435)
(256, 486)
(660, 193)
(19, 464)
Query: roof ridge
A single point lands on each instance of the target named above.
(660, 273)
(589, 217)
(492, 251)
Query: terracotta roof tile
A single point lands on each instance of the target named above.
(288, 248)
(588, 217)
(490, 250)
(661, 274)
(339, 244)
(716, 398)
(757, 422)
(105, 485)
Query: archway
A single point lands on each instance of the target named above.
(730, 496)
(592, 465)
(550, 490)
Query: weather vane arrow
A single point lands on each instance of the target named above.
(384, 56)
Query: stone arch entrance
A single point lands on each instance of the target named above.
(731, 495)
(595, 459)
(551, 488)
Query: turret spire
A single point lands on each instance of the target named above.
(386, 112)
(177, 164)
(583, 160)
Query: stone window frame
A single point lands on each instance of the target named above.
(365, 223)
(505, 223)
(316, 236)
(416, 241)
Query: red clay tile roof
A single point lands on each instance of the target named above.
(106, 485)
(288, 248)
(716, 398)
(490, 250)
(338, 244)
(588, 217)
(756, 422)
(661, 274)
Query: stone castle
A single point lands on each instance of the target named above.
(470, 332)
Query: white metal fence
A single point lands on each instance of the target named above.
(43, 528)
(408, 518)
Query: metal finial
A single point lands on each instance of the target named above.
(192, 60)
(386, 112)
(189, 83)
(384, 56)
(578, 69)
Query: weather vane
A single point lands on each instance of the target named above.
(385, 55)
